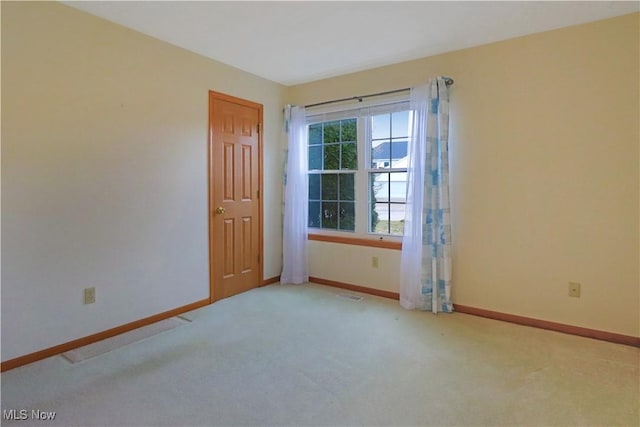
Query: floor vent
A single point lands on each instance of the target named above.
(101, 347)
(351, 297)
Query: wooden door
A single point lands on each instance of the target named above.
(235, 212)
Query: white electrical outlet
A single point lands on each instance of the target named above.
(374, 262)
(89, 295)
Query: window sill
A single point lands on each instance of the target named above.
(358, 241)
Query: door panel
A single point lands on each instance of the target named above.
(229, 172)
(247, 171)
(247, 247)
(229, 248)
(235, 211)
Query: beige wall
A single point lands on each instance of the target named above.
(545, 181)
(104, 173)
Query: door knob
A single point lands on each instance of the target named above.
(220, 210)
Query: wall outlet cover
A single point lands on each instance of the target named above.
(89, 295)
(374, 262)
(574, 289)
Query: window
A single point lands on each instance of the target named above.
(388, 190)
(358, 170)
(333, 160)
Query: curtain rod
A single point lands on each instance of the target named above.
(448, 81)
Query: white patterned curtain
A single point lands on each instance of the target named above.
(426, 246)
(295, 268)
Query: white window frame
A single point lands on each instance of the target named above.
(361, 111)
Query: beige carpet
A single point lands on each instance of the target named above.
(110, 344)
(301, 356)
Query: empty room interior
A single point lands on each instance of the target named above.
(320, 213)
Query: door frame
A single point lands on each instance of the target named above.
(211, 177)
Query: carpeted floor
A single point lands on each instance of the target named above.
(302, 355)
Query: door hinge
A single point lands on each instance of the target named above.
(258, 194)
(258, 127)
(258, 259)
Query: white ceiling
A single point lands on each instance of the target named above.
(294, 42)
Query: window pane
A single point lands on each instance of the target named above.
(315, 157)
(400, 124)
(347, 216)
(330, 186)
(330, 215)
(314, 214)
(331, 132)
(331, 157)
(315, 134)
(381, 154)
(380, 126)
(347, 187)
(396, 218)
(314, 187)
(390, 219)
(399, 153)
(349, 156)
(382, 215)
(397, 187)
(379, 187)
(349, 132)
